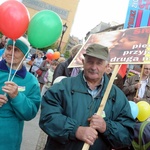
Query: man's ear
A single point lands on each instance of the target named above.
(107, 65)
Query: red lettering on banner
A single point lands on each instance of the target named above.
(132, 18)
(144, 5)
(137, 31)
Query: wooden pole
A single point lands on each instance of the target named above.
(104, 100)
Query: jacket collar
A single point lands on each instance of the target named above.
(21, 73)
(105, 80)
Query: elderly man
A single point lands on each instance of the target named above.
(68, 112)
(19, 94)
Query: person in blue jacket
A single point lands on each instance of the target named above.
(68, 109)
(19, 94)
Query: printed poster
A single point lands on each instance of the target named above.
(127, 46)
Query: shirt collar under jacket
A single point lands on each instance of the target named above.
(21, 73)
(97, 90)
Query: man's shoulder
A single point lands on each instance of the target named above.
(62, 64)
(134, 77)
(74, 80)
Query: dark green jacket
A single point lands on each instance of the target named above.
(67, 105)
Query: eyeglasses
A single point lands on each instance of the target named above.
(147, 69)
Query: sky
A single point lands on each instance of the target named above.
(91, 12)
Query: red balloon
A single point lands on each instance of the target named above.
(49, 56)
(56, 55)
(14, 19)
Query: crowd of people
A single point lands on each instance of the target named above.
(68, 108)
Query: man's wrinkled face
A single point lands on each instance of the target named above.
(94, 68)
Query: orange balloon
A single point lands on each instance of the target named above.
(56, 55)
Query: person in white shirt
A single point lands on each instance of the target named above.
(136, 89)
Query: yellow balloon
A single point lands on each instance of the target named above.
(144, 110)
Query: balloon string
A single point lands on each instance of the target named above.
(12, 58)
(17, 67)
(20, 65)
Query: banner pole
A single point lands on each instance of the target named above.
(104, 100)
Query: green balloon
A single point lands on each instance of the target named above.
(44, 29)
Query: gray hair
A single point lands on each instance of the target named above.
(74, 50)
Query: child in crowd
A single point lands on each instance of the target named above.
(36, 63)
(49, 76)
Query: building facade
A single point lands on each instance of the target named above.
(104, 27)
